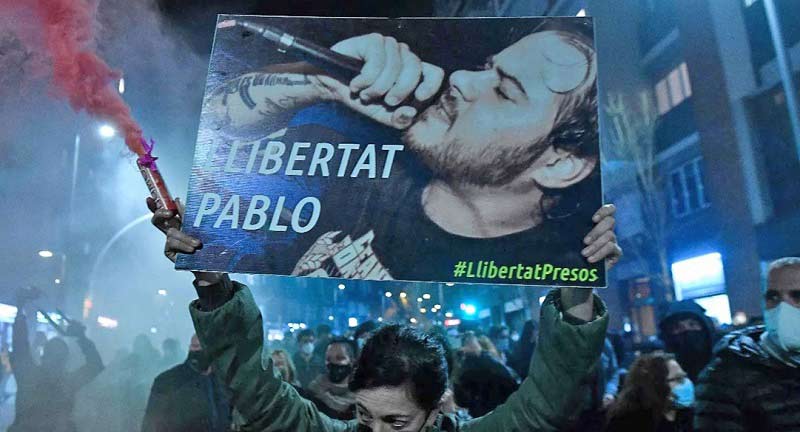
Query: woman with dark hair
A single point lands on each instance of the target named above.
(657, 396)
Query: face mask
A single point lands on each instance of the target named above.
(307, 348)
(783, 325)
(692, 349)
(197, 360)
(683, 394)
(337, 373)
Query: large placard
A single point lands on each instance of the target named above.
(447, 150)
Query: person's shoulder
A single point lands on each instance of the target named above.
(742, 346)
(738, 356)
(172, 375)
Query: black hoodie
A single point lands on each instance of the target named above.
(692, 349)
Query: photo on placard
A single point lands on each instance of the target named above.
(465, 150)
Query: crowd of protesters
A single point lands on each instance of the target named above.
(693, 376)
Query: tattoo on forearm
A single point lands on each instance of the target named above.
(273, 79)
(244, 92)
(272, 107)
(242, 86)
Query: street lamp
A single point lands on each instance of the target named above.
(106, 131)
(388, 294)
(45, 253)
(341, 286)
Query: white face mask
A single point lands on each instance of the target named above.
(307, 348)
(783, 323)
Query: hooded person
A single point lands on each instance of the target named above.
(688, 333)
(188, 398)
(753, 381)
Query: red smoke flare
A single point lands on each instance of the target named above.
(78, 73)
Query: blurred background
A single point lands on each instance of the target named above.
(700, 134)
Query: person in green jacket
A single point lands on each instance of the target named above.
(401, 374)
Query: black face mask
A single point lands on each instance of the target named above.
(337, 373)
(693, 351)
(197, 360)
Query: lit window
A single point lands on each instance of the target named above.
(687, 188)
(673, 89)
(701, 276)
(717, 307)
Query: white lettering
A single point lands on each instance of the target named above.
(253, 210)
(205, 210)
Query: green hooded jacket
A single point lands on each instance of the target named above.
(232, 336)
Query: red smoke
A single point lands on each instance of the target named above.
(67, 29)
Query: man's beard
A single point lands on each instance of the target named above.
(486, 164)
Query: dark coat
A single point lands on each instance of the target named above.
(185, 400)
(744, 389)
(642, 421)
(482, 383)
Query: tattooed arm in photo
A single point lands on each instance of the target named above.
(392, 74)
(263, 102)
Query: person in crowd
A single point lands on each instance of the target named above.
(135, 378)
(188, 398)
(600, 390)
(657, 397)
(481, 382)
(400, 376)
(610, 373)
(753, 382)
(688, 333)
(283, 363)
(171, 354)
(323, 337)
(37, 346)
(307, 369)
(520, 359)
(501, 339)
(46, 392)
(363, 331)
(331, 388)
(488, 347)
